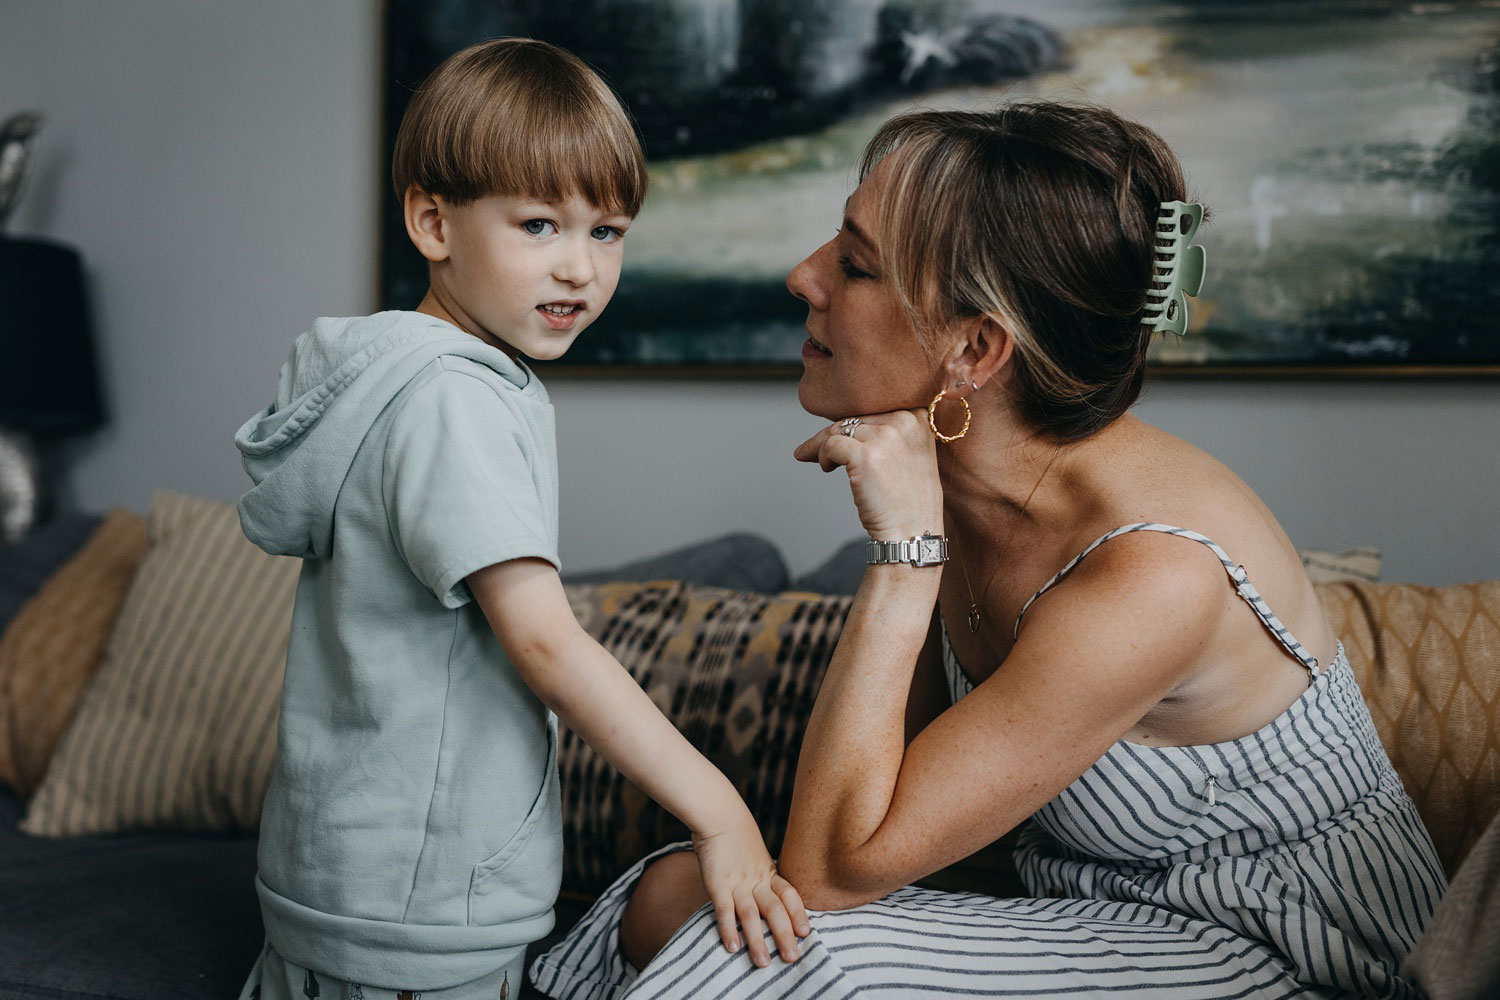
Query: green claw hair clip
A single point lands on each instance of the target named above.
(1179, 267)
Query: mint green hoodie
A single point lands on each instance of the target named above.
(412, 834)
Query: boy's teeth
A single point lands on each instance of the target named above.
(558, 310)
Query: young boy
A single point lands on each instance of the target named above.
(411, 839)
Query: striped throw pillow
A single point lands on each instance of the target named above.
(178, 729)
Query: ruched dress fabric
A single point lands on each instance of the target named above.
(1289, 862)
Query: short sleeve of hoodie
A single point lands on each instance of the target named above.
(463, 482)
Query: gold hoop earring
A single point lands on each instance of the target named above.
(932, 418)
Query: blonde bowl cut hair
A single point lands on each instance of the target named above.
(519, 117)
(1042, 216)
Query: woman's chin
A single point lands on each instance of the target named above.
(814, 402)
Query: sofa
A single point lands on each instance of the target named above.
(139, 673)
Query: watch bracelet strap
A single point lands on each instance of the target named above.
(906, 550)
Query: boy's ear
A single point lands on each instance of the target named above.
(424, 215)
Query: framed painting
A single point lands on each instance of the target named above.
(1349, 154)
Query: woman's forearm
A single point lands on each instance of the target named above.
(855, 740)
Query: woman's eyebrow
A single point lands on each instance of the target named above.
(858, 233)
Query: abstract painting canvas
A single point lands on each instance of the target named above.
(1349, 154)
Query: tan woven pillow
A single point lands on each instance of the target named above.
(1428, 664)
(178, 729)
(54, 645)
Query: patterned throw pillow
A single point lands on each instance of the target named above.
(178, 729)
(735, 671)
(1428, 664)
(52, 648)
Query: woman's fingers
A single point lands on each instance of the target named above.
(755, 937)
(777, 919)
(724, 916)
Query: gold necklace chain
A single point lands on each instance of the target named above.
(974, 616)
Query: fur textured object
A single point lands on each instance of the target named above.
(18, 487)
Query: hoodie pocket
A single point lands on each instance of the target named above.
(521, 879)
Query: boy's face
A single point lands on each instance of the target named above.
(522, 274)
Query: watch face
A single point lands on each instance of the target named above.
(929, 551)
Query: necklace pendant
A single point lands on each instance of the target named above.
(974, 619)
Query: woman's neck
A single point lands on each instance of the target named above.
(1005, 474)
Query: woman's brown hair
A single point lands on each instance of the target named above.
(515, 116)
(1041, 215)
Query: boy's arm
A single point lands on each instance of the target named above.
(598, 699)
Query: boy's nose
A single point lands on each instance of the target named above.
(574, 266)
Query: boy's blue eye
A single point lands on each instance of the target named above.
(607, 234)
(537, 227)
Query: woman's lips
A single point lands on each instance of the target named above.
(811, 349)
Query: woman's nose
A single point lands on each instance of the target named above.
(804, 281)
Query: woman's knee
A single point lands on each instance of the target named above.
(669, 891)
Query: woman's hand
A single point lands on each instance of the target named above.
(892, 463)
(744, 887)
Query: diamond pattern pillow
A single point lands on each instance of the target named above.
(1428, 664)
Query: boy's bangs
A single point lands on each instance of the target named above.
(592, 152)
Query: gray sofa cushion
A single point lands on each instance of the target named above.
(840, 573)
(739, 561)
(125, 917)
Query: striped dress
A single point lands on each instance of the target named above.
(1289, 862)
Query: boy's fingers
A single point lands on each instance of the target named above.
(777, 919)
(795, 908)
(724, 917)
(755, 937)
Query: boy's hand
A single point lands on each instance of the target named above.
(744, 886)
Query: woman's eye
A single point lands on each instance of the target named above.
(607, 234)
(850, 271)
(537, 227)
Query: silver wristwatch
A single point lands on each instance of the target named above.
(919, 550)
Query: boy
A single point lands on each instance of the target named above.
(411, 839)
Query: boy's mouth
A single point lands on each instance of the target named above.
(562, 314)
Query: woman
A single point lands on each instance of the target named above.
(1213, 813)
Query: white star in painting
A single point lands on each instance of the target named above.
(922, 46)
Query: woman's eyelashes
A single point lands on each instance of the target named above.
(850, 270)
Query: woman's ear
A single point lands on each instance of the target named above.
(982, 352)
(424, 215)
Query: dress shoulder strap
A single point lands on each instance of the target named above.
(1237, 576)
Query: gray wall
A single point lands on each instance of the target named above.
(217, 163)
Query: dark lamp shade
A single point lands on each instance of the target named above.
(49, 379)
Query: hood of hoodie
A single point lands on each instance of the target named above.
(338, 380)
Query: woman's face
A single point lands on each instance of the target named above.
(862, 355)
